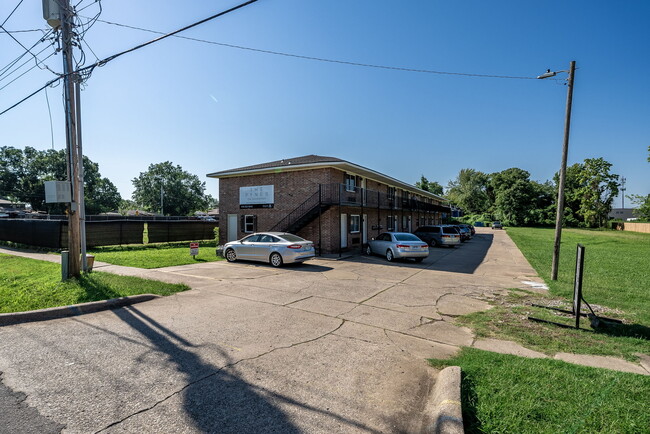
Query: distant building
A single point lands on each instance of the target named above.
(8, 205)
(335, 203)
(621, 213)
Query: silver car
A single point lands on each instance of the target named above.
(276, 248)
(397, 245)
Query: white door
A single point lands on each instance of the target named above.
(364, 229)
(232, 227)
(344, 231)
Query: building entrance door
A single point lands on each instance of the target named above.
(364, 229)
(232, 227)
(344, 231)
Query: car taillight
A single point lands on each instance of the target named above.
(445, 236)
(294, 246)
(423, 245)
(402, 246)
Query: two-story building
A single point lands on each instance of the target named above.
(337, 204)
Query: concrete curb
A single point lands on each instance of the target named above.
(444, 408)
(73, 310)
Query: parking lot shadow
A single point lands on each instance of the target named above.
(464, 258)
(216, 400)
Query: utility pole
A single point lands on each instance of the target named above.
(623, 192)
(161, 199)
(59, 15)
(560, 194)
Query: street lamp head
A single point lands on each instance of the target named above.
(547, 74)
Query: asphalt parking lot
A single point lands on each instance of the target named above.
(325, 346)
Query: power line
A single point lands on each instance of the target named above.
(88, 69)
(11, 13)
(51, 54)
(322, 59)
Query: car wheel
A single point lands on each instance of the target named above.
(418, 260)
(368, 251)
(433, 243)
(275, 259)
(389, 255)
(231, 256)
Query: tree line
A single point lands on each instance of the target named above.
(513, 198)
(23, 173)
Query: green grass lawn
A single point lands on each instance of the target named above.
(617, 266)
(28, 284)
(156, 255)
(616, 282)
(510, 394)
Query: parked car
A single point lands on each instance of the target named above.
(497, 225)
(276, 248)
(470, 227)
(398, 245)
(438, 235)
(465, 234)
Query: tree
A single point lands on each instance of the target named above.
(469, 191)
(183, 193)
(597, 191)
(643, 205)
(23, 173)
(514, 196)
(430, 186)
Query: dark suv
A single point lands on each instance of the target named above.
(438, 235)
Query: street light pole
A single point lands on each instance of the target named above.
(565, 150)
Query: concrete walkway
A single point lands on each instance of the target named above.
(326, 346)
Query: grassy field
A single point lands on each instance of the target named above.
(28, 284)
(156, 255)
(616, 283)
(509, 394)
(617, 266)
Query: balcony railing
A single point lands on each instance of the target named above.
(341, 194)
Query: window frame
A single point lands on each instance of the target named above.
(250, 222)
(355, 223)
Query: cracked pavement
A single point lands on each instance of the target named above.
(326, 346)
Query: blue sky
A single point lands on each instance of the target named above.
(210, 108)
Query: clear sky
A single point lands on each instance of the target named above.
(209, 108)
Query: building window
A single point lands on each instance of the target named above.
(391, 193)
(350, 182)
(250, 223)
(355, 223)
(390, 223)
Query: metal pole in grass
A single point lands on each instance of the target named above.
(565, 151)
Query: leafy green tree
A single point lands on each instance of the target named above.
(469, 191)
(514, 196)
(643, 205)
(430, 186)
(23, 173)
(598, 188)
(183, 192)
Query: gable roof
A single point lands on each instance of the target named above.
(318, 161)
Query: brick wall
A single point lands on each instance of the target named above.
(292, 188)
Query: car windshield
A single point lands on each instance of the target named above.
(292, 238)
(406, 237)
(449, 230)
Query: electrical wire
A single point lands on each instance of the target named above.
(11, 13)
(4, 69)
(49, 111)
(88, 69)
(321, 59)
(51, 54)
(19, 43)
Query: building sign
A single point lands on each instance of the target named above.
(259, 196)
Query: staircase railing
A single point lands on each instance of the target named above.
(300, 211)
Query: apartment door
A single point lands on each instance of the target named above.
(364, 229)
(344, 231)
(232, 227)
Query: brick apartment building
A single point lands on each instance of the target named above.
(337, 204)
